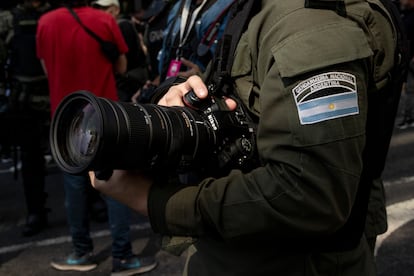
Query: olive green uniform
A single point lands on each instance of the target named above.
(306, 73)
(376, 223)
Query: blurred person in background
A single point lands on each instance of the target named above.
(137, 71)
(407, 99)
(190, 37)
(151, 22)
(193, 30)
(30, 110)
(74, 60)
(6, 30)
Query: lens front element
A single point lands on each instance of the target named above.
(83, 134)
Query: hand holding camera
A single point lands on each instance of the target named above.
(129, 187)
(176, 94)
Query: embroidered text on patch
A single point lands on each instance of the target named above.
(326, 96)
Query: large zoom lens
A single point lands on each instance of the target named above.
(92, 133)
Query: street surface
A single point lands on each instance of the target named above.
(31, 256)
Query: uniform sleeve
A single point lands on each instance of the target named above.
(310, 139)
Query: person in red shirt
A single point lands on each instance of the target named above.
(73, 60)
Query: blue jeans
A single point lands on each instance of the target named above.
(78, 218)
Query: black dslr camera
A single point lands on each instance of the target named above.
(92, 133)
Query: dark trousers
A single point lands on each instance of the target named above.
(33, 168)
(407, 97)
(76, 203)
(29, 129)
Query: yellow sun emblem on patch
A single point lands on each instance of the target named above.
(331, 106)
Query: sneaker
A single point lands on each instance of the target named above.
(133, 265)
(75, 262)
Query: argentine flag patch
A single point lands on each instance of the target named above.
(326, 96)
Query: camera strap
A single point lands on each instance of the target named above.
(89, 31)
(186, 27)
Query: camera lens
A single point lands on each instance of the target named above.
(92, 133)
(76, 136)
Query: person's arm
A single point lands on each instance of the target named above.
(120, 65)
(300, 190)
(193, 69)
(43, 66)
(306, 186)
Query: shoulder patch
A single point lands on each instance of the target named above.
(326, 96)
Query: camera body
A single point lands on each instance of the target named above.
(234, 146)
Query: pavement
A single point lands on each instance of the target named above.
(31, 256)
(395, 248)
